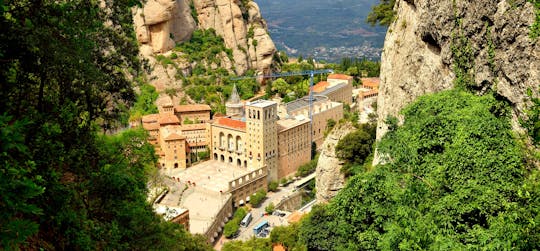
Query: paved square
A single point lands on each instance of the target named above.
(212, 175)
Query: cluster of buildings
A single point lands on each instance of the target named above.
(252, 144)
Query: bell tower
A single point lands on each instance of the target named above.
(261, 128)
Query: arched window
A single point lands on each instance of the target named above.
(238, 143)
(230, 142)
(221, 139)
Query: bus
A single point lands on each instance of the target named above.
(247, 219)
(260, 227)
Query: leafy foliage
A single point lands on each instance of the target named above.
(288, 237)
(145, 102)
(233, 225)
(259, 244)
(256, 199)
(308, 168)
(532, 122)
(453, 179)
(273, 186)
(356, 147)
(463, 64)
(382, 14)
(63, 186)
(270, 208)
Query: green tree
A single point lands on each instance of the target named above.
(233, 225)
(453, 179)
(66, 70)
(356, 147)
(308, 168)
(281, 87)
(272, 186)
(270, 208)
(259, 244)
(287, 236)
(382, 14)
(256, 199)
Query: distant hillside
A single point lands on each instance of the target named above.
(319, 28)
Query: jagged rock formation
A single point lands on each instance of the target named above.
(419, 58)
(242, 28)
(162, 23)
(329, 179)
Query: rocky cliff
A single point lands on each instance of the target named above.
(329, 179)
(431, 41)
(244, 30)
(160, 24)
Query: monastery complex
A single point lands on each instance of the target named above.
(252, 144)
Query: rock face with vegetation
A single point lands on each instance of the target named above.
(431, 43)
(184, 38)
(242, 27)
(160, 24)
(329, 179)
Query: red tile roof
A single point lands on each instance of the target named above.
(232, 123)
(339, 76)
(174, 136)
(150, 118)
(321, 86)
(371, 82)
(192, 108)
(168, 119)
(193, 127)
(151, 126)
(278, 247)
(369, 93)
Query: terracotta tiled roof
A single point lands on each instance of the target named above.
(368, 93)
(198, 144)
(150, 118)
(321, 86)
(194, 127)
(168, 119)
(278, 247)
(191, 108)
(151, 126)
(339, 76)
(232, 123)
(174, 136)
(371, 82)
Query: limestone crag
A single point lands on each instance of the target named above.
(418, 56)
(329, 179)
(160, 24)
(242, 28)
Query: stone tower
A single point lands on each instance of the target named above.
(234, 106)
(261, 128)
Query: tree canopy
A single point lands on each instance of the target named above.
(453, 178)
(67, 70)
(382, 14)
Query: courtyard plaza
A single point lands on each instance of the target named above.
(212, 175)
(203, 190)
